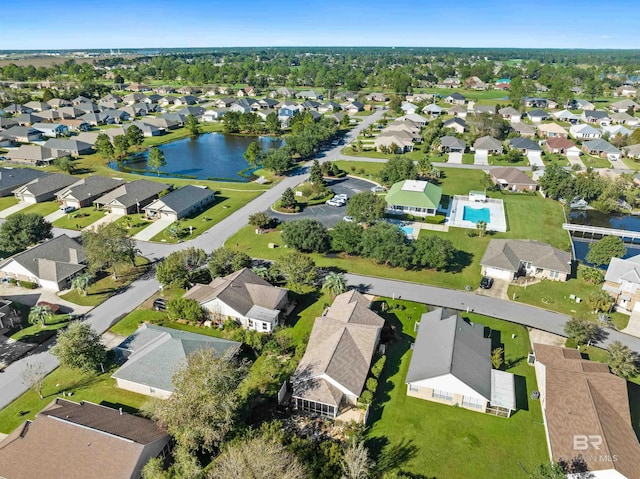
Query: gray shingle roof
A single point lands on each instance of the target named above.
(447, 344)
(128, 194)
(452, 142)
(90, 187)
(46, 184)
(69, 145)
(487, 143)
(600, 145)
(182, 198)
(624, 269)
(154, 353)
(507, 255)
(524, 144)
(11, 178)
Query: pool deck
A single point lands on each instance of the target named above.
(497, 220)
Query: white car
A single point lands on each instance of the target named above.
(378, 189)
(67, 209)
(335, 202)
(348, 219)
(341, 196)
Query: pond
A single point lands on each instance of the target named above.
(211, 156)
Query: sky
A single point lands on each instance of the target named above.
(74, 24)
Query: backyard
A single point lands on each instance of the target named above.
(430, 434)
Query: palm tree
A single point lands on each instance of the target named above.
(481, 226)
(334, 283)
(622, 361)
(593, 275)
(81, 283)
(262, 271)
(39, 315)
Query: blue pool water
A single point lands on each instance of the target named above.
(476, 214)
(407, 230)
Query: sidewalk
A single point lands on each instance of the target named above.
(153, 229)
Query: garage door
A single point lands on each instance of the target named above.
(168, 216)
(75, 204)
(499, 273)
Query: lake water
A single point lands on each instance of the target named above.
(211, 156)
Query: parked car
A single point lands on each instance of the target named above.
(486, 282)
(160, 304)
(67, 209)
(342, 197)
(348, 219)
(335, 142)
(335, 202)
(378, 189)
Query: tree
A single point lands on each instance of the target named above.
(180, 267)
(156, 159)
(134, 136)
(33, 375)
(622, 361)
(272, 124)
(347, 236)
(496, 357)
(298, 270)
(257, 458)
(205, 402)
(278, 160)
(39, 315)
(108, 246)
(434, 252)
(21, 230)
(387, 244)
(81, 283)
(398, 168)
(253, 154)
(481, 227)
(549, 471)
(185, 466)
(592, 275)
(334, 283)
(315, 174)
(600, 301)
(557, 182)
(260, 220)
(366, 207)
(288, 199)
(581, 330)
(600, 253)
(64, 164)
(104, 147)
(306, 235)
(516, 91)
(184, 308)
(356, 463)
(120, 146)
(79, 347)
(192, 125)
(224, 261)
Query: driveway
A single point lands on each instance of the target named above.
(575, 160)
(153, 229)
(535, 159)
(56, 215)
(455, 158)
(14, 209)
(498, 290)
(105, 220)
(325, 214)
(481, 158)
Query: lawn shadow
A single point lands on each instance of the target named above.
(522, 397)
(461, 259)
(633, 391)
(303, 302)
(391, 457)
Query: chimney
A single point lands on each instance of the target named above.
(73, 256)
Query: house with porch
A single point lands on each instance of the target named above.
(451, 364)
(83, 192)
(332, 373)
(43, 188)
(180, 203)
(34, 155)
(130, 197)
(488, 145)
(512, 179)
(622, 282)
(413, 197)
(583, 131)
(600, 147)
(552, 130)
(451, 144)
(13, 178)
(243, 297)
(510, 259)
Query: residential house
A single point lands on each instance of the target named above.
(599, 117)
(49, 115)
(451, 144)
(416, 119)
(537, 115)
(244, 297)
(458, 111)
(552, 130)
(456, 124)
(7, 123)
(309, 95)
(196, 111)
(185, 100)
(16, 109)
(332, 373)
(614, 130)
(433, 110)
(71, 112)
(525, 145)
(586, 414)
(180, 203)
(329, 106)
(502, 84)
(512, 179)
(413, 197)
(130, 197)
(268, 103)
(408, 108)
(51, 130)
(394, 141)
(578, 104)
(153, 354)
(601, 147)
(43, 188)
(69, 146)
(83, 192)
(511, 114)
(88, 107)
(481, 109)
(532, 102)
(138, 87)
(455, 99)
(474, 83)
(159, 124)
(13, 178)
(489, 145)
(75, 125)
(561, 145)
(451, 82)
(58, 103)
(352, 107)
(623, 106)
(584, 132)
(35, 155)
(28, 119)
(378, 97)
(51, 265)
(189, 90)
(283, 92)
(632, 151)
(451, 364)
(524, 129)
(622, 281)
(22, 134)
(80, 440)
(626, 91)
(148, 129)
(224, 102)
(624, 118)
(567, 116)
(213, 115)
(509, 259)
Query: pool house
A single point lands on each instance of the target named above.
(413, 197)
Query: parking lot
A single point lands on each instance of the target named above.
(325, 214)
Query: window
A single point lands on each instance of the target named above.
(472, 402)
(251, 323)
(554, 275)
(413, 387)
(444, 395)
(264, 326)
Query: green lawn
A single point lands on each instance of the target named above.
(134, 223)
(42, 209)
(363, 169)
(131, 321)
(226, 203)
(595, 161)
(447, 442)
(78, 219)
(555, 159)
(100, 389)
(414, 155)
(8, 201)
(35, 333)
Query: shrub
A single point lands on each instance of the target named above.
(372, 385)
(183, 308)
(28, 284)
(366, 397)
(378, 366)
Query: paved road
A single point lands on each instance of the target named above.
(498, 308)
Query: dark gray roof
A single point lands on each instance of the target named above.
(456, 96)
(130, 193)
(52, 260)
(538, 113)
(452, 121)
(69, 145)
(452, 142)
(182, 198)
(507, 255)
(447, 344)
(154, 353)
(597, 114)
(600, 145)
(90, 187)
(20, 131)
(524, 144)
(11, 178)
(487, 143)
(47, 184)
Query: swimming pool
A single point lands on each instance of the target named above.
(407, 230)
(476, 214)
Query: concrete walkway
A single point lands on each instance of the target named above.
(56, 215)
(153, 229)
(633, 328)
(105, 220)
(14, 209)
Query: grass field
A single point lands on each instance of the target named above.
(428, 435)
(36, 333)
(78, 219)
(42, 209)
(591, 161)
(134, 223)
(8, 201)
(131, 321)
